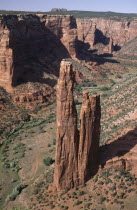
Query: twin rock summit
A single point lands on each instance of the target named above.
(76, 150)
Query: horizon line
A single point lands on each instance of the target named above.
(67, 11)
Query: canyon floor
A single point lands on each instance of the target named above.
(27, 154)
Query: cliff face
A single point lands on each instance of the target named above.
(65, 28)
(120, 32)
(6, 58)
(89, 137)
(66, 170)
(76, 155)
(32, 46)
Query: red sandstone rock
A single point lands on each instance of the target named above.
(109, 47)
(6, 59)
(89, 137)
(91, 35)
(120, 31)
(66, 161)
(32, 46)
(76, 157)
(110, 50)
(65, 28)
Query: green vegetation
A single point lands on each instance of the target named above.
(48, 161)
(80, 14)
(110, 186)
(16, 191)
(49, 176)
(116, 187)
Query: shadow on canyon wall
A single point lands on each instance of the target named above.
(37, 52)
(84, 53)
(119, 147)
(100, 38)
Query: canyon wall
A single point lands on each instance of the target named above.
(104, 29)
(77, 152)
(32, 46)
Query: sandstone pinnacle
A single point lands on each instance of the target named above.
(76, 155)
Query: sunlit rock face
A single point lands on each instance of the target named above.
(99, 30)
(32, 46)
(76, 151)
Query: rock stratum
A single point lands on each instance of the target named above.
(76, 151)
(99, 30)
(32, 47)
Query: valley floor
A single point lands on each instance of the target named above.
(24, 178)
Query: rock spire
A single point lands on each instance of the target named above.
(76, 151)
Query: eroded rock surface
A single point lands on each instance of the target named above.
(32, 46)
(66, 169)
(76, 155)
(120, 31)
(89, 137)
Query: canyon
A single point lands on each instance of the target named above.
(29, 47)
(68, 110)
(38, 60)
(98, 30)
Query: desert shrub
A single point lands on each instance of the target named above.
(104, 95)
(112, 188)
(96, 178)
(118, 76)
(84, 185)
(66, 207)
(77, 203)
(25, 116)
(101, 183)
(78, 88)
(106, 192)
(102, 199)
(116, 177)
(16, 191)
(48, 161)
(73, 193)
(109, 181)
(104, 88)
(105, 173)
(124, 187)
(17, 208)
(87, 205)
(112, 81)
(130, 190)
(49, 176)
(36, 191)
(114, 194)
(81, 193)
(51, 150)
(6, 165)
(40, 184)
(66, 190)
(121, 196)
(76, 101)
(13, 163)
(54, 142)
